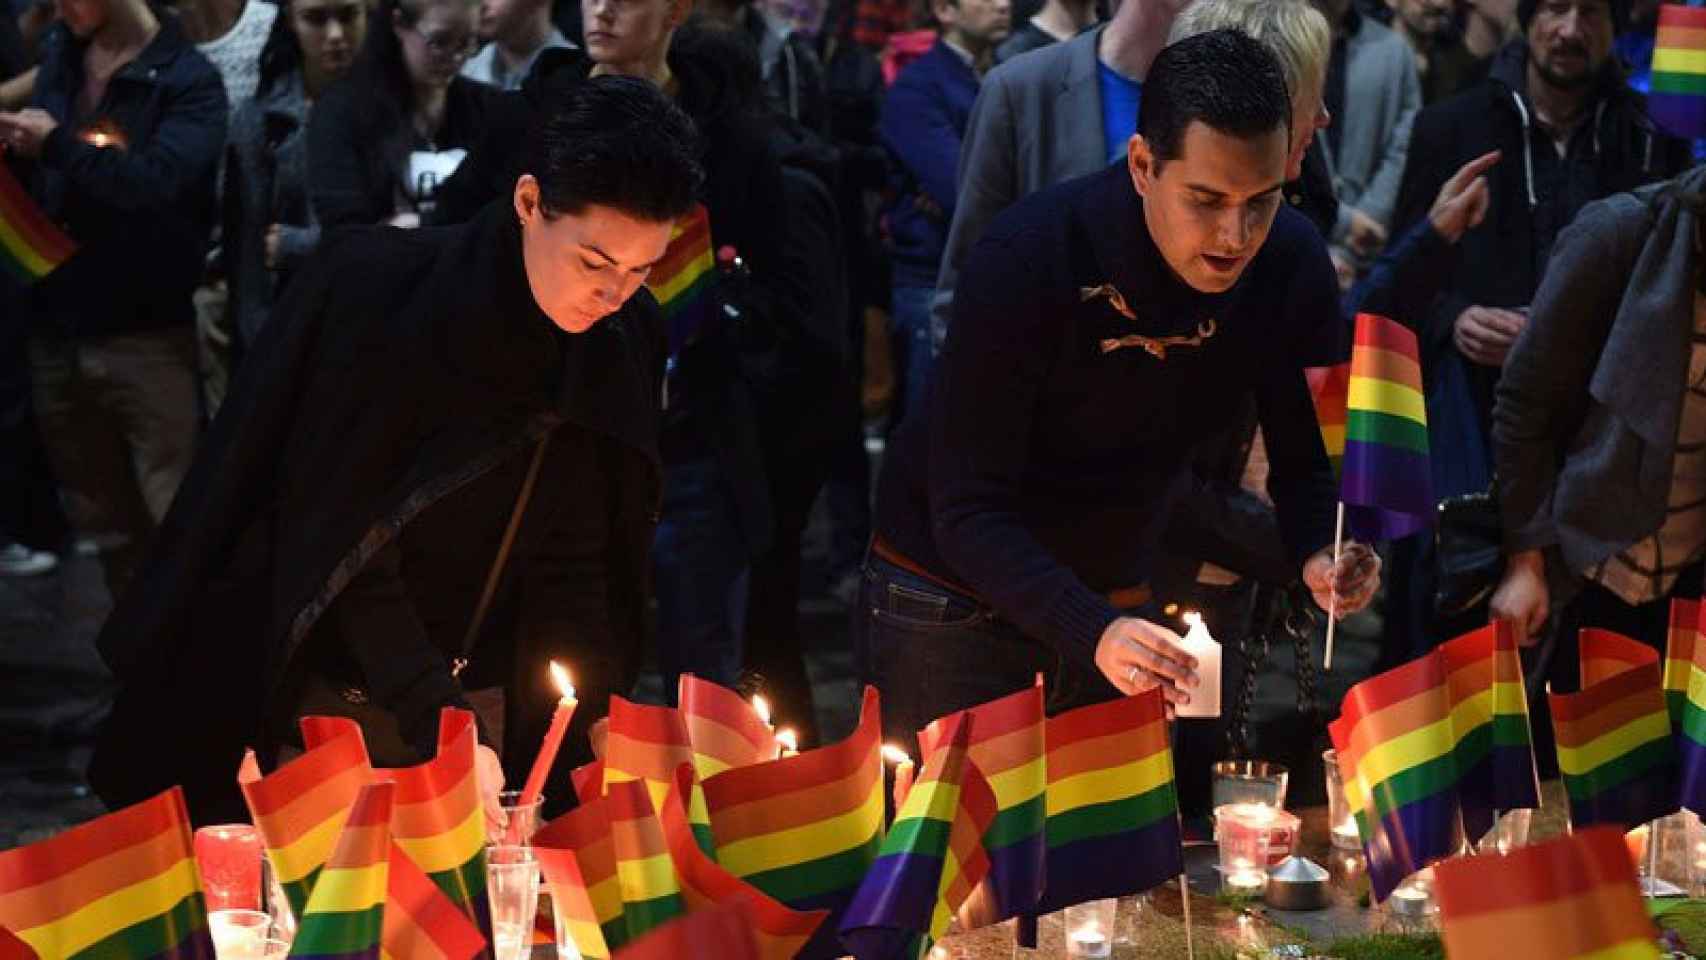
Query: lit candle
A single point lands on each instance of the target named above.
(1205, 696)
(1089, 943)
(761, 707)
(787, 743)
(553, 736)
(1636, 840)
(1347, 830)
(903, 773)
(1246, 881)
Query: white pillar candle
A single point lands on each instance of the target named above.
(1205, 696)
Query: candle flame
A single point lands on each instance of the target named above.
(560, 677)
(787, 739)
(1192, 618)
(761, 707)
(894, 754)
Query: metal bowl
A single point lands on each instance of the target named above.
(1297, 884)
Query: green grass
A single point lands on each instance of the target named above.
(1387, 946)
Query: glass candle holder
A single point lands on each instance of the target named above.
(1089, 929)
(1248, 781)
(228, 857)
(1256, 833)
(512, 889)
(1341, 822)
(238, 934)
(1510, 831)
(521, 820)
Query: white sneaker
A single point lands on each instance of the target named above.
(17, 560)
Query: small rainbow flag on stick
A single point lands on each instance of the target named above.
(1677, 100)
(420, 921)
(922, 875)
(681, 279)
(345, 919)
(1685, 695)
(1681, 641)
(121, 886)
(724, 730)
(438, 819)
(1573, 898)
(1113, 814)
(1615, 750)
(648, 743)
(578, 859)
(299, 808)
(1494, 748)
(645, 874)
(804, 829)
(1008, 745)
(723, 932)
(31, 247)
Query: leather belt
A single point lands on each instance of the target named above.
(1121, 598)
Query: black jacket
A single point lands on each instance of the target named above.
(359, 143)
(140, 215)
(400, 368)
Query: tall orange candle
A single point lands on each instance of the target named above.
(553, 736)
(903, 773)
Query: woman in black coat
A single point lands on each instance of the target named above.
(332, 547)
(403, 119)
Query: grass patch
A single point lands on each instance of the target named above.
(1388, 946)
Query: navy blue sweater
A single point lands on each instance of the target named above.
(1042, 473)
(924, 120)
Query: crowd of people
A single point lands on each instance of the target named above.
(902, 219)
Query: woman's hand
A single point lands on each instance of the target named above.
(1522, 596)
(1135, 655)
(1347, 587)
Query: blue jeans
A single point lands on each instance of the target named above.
(914, 354)
(932, 651)
(701, 566)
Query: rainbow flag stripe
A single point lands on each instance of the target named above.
(1494, 750)
(31, 246)
(1681, 641)
(1329, 389)
(681, 278)
(1615, 750)
(967, 862)
(438, 819)
(1572, 898)
(299, 809)
(578, 859)
(1397, 758)
(780, 932)
(902, 906)
(1008, 746)
(346, 912)
(1685, 697)
(588, 781)
(1677, 99)
(804, 829)
(722, 728)
(420, 921)
(11, 948)
(645, 874)
(1113, 814)
(1385, 472)
(123, 885)
(722, 932)
(648, 743)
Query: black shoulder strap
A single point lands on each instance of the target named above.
(504, 545)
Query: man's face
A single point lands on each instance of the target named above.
(1570, 40)
(495, 16)
(1429, 19)
(625, 31)
(1209, 209)
(583, 267)
(982, 22)
(82, 17)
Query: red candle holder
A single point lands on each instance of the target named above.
(228, 857)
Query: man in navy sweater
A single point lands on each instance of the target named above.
(1101, 328)
(924, 120)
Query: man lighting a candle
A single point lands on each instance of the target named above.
(443, 450)
(1100, 328)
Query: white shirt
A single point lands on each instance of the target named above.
(488, 67)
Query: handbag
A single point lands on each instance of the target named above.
(1469, 556)
(324, 696)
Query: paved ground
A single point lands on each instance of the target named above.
(53, 692)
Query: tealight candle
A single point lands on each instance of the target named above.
(1088, 943)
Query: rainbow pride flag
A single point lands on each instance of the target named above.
(1329, 389)
(1572, 898)
(1385, 481)
(1494, 747)
(681, 279)
(420, 921)
(921, 876)
(299, 809)
(804, 829)
(1113, 814)
(345, 918)
(578, 860)
(723, 932)
(1685, 697)
(1677, 99)
(31, 246)
(1615, 751)
(648, 743)
(722, 728)
(645, 874)
(1397, 758)
(1008, 744)
(1681, 641)
(439, 821)
(779, 931)
(123, 885)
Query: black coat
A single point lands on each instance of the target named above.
(400, 367)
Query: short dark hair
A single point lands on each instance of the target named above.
(617, 142)
(1225, 79)
(1525, 10)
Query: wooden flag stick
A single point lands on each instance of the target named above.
(1333, 584)
(1185, 898)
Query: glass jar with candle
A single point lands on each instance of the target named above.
(1090, 929)
(1248, 781)
(1341, 822)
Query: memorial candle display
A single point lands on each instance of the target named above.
(904, 771)
(1205, 696)
(535, 785)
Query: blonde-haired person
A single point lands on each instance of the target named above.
(1299, 37)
